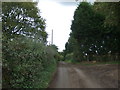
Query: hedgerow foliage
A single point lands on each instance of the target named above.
(27, 60)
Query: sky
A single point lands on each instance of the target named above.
(59, 16)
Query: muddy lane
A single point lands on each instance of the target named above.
(72, 76)
(61, 79)
(65, 77)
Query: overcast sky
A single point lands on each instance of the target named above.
(58, 17)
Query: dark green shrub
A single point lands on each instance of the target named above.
(69, 56)
(26, 63)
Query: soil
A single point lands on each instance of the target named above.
(82, 76)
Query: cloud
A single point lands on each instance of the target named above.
(58, 17)
(68, 3)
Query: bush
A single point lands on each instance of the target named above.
(69, 56)
(26, 63)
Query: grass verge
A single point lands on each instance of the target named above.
(46, 75)
(92, 62)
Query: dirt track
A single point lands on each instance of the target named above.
(79, 76)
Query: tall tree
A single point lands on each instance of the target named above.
(111, 32)
(22, 18)
(95, 30)
(86, 28)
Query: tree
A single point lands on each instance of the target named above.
(25, 56)
(95, 30)
(86, 28)
(111, 32)
(110, 10)
(19, 19)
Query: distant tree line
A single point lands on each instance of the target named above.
(95, 32)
